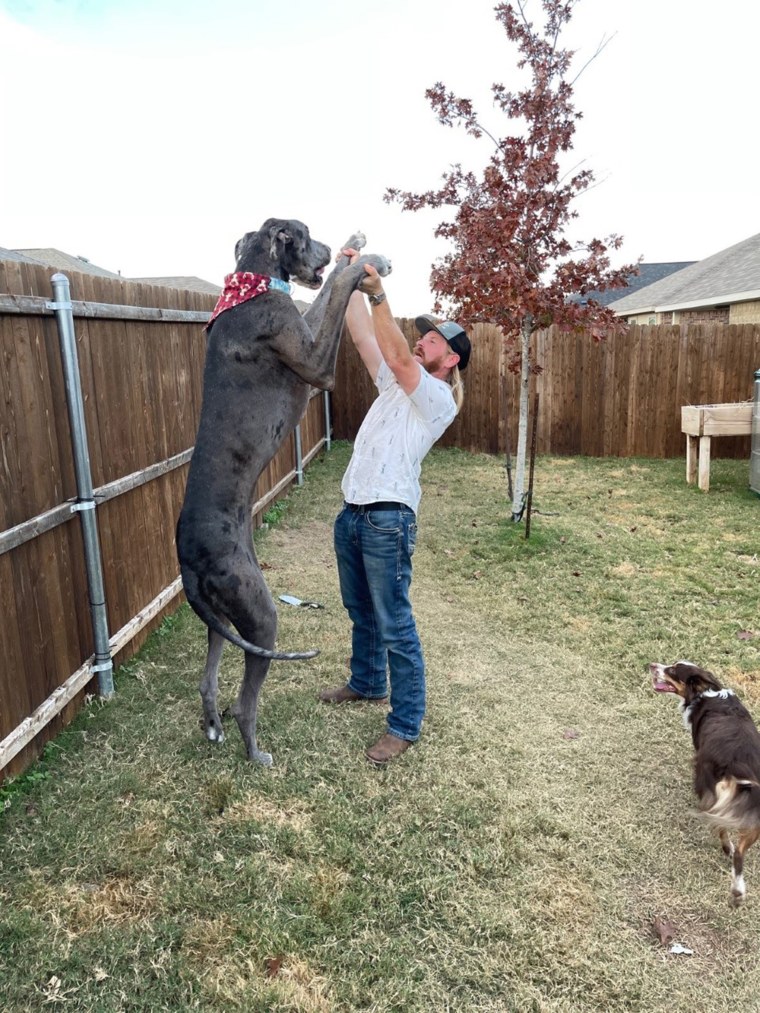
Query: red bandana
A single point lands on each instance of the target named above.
(242, 286)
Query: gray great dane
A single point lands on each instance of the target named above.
(261, 360)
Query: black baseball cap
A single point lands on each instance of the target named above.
(454, 334)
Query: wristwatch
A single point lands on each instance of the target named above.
(377, 299)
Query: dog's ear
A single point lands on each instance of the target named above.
(241, 244)
(699, 680)
(278, 235)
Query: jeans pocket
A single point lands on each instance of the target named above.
(385, 521)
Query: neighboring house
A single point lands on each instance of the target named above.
(20, 258)
(191, 284)
(723, 288)
(66, 262)
(647, 275)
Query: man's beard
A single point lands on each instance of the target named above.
(434, 365)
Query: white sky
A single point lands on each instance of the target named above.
(149, 135)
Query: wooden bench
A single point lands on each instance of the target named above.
(701, 423)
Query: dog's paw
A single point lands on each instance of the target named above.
(357, 242)
(213, 736)
(259, 756)
(381, 264)
(213, 730)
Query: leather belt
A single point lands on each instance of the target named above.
(361, 508)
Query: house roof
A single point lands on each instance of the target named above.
(730, 276)
(66, 262)
(189, 283)
(6, 254)
(648, 274)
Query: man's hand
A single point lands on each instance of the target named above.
(350, 252)
(373, 283)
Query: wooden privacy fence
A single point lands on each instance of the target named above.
(619, 398)
(141, 350)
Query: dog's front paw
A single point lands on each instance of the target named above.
(381, 264)
(357, 242)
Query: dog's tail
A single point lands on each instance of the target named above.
(736, 805)
(209, 617)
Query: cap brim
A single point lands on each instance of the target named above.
(425, 324)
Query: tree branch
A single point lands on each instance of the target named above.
(606, 40)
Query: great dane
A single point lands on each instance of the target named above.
(261, 360)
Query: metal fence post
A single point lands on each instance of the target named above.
(299, 456)
(328, 421)
(85, 504)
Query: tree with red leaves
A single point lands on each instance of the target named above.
(511, 263)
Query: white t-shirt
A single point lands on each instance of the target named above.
(394, 437)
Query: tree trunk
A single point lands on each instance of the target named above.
(518, 500)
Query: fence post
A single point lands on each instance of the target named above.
(299, 455)
(328, 422)
(85, 504)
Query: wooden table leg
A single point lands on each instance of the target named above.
(704, 463)
(692, 453)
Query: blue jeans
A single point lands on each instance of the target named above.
(374, 550)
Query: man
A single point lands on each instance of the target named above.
(420, 393)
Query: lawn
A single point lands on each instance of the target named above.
(515, 859)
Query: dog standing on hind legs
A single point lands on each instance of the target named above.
(262, 357)
(726, 759)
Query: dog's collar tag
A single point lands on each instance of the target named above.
(242, 286)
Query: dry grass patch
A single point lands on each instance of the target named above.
(78, 908)
(294, 815)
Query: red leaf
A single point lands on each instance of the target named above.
(273, 965)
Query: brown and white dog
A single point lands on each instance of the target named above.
(726, 759)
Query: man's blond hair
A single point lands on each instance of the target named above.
(457, 387)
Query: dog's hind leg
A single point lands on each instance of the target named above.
(209, 686)
(259, 625)
(738, 886)
(246, 708)
(725, 843)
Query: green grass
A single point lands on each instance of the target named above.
(514, 860)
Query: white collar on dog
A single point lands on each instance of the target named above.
(724, 694)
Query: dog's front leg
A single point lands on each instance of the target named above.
(315, 313)
(313, 356)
